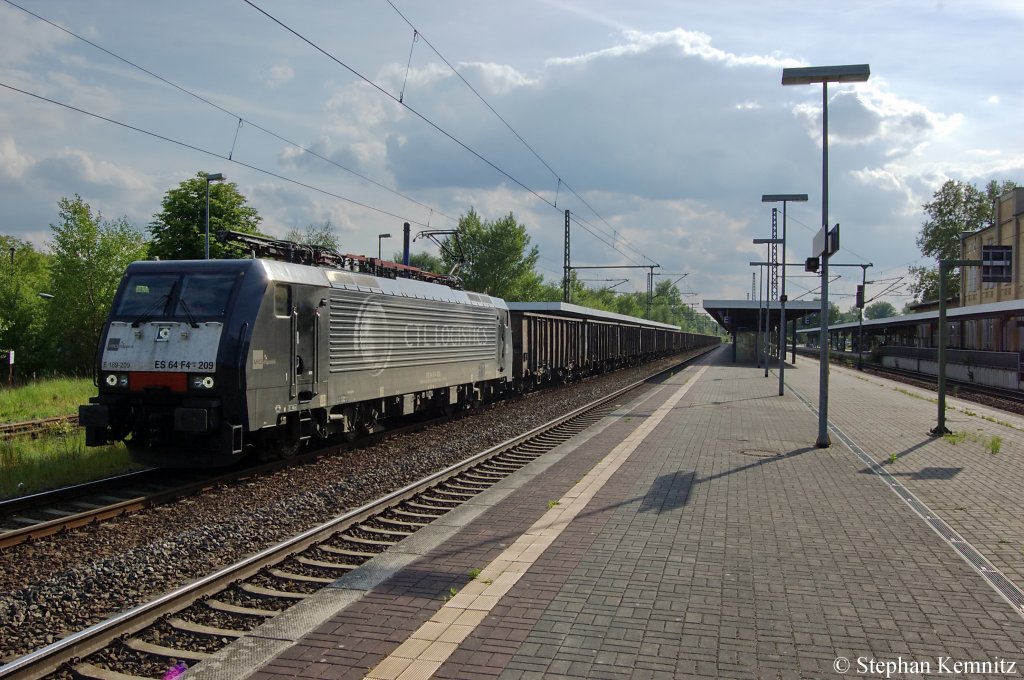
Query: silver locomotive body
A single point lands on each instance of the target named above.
(202, 361)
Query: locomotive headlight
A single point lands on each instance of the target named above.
(116, 380)
(202, 382)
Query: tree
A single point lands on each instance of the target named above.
(179, 229)
(424, 261)
(89, 257)
(955, 208)
(879, 310)
(499, 260)
(815, 319)
(849, 316)
(22, 311)
(320, 235)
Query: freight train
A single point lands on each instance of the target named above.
(202, 362)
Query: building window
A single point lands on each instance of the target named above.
(987, 333)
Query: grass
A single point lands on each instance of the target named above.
(45, 399)
(59, 457)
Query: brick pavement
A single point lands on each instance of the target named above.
(725, 545)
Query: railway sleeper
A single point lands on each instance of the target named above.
(229, 608)
(320, 564)
(402, 525)
(482, 477)
(346, 552)
(199, 629)
(398, 533)
(415, 515)
(435, 499)
(459, 486)
(303, 578)
(451, 490)
(423, 506)
(166, 652)
(368, 541)
(271, 592)
(93, 672)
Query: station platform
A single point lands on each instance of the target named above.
(698, 533)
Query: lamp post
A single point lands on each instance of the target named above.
(784, 198)
(856, 73)
(380, 238)
(214, 177)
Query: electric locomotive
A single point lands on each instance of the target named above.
(203, 361)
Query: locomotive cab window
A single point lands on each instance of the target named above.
(146, 294)
(151, 296)
(205, 295)
(282, 299)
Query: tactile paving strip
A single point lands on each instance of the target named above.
(1002, 585)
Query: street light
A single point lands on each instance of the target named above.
(215, 177)
(380, 238)
(784, 198)
(854, 73)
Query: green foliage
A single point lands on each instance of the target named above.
(320, 235)
(879, 310)
(89, 257)
(834, 316)
(179, 229)
(499, 260)
(852, 315)
(955, 208)
(24, 273)
(44, 399)
(424, 261)
(29, 465)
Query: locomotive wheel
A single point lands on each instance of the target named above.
(289, 449)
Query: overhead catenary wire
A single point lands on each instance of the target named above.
(411, 110)
(212, 154)
(240, 122)
(555, 174)
(240, 119)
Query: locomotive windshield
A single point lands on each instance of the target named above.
(149, 296)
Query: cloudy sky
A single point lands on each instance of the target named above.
(658, 123)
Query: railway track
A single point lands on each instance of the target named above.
(28, 518)
(34, 428)
(193, 621)
(1007, 400)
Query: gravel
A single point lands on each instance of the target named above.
(67, 582)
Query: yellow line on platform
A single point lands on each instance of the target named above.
(430, 646)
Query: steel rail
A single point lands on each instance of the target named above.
(94, 638)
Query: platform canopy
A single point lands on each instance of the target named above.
(744, 315)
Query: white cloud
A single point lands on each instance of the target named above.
(689, 43)
(73, 167)
(24, 39)
(13, 163)
(278, 75)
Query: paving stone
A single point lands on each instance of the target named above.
(727, 545)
